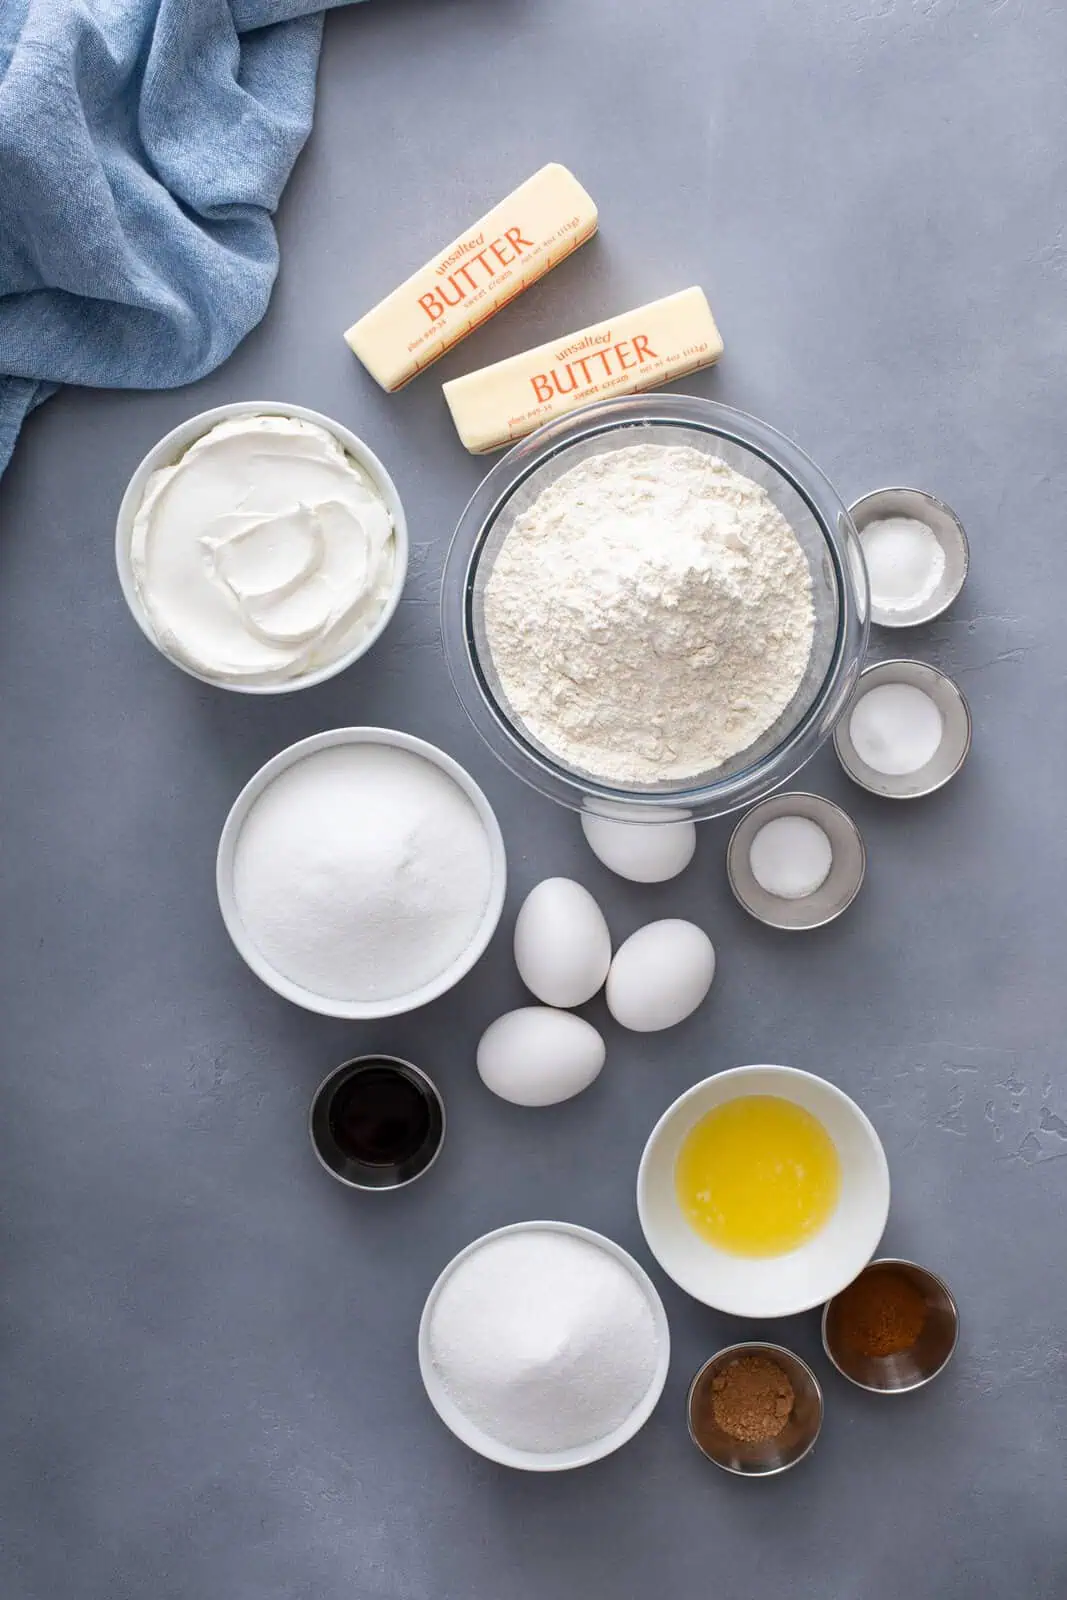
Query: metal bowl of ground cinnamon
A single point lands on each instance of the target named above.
(755, 1409)
(893, 1329)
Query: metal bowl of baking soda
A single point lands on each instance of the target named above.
(655, 605)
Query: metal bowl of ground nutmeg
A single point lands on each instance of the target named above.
(755, 1409)
(893, 1329)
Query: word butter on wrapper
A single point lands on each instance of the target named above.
(521, 239)
(636, 351)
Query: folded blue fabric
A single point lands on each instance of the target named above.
(144, 145)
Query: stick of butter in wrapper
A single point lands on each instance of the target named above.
(540, 223)
(635, 351)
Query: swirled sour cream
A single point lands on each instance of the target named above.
(264, 553)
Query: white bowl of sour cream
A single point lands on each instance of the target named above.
(261, 547)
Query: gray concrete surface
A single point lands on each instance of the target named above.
(208, 1387)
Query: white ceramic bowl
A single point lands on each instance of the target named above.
(327, 1006)
(767, 1286)
(174, 445)
(559, 1460)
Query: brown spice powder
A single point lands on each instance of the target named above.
(752, 1399)
(880, 1314)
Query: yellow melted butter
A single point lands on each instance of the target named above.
(757, 1176)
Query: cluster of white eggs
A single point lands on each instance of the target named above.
(542, 1054)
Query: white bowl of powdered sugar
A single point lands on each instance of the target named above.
(361, 873)
(544, 1346)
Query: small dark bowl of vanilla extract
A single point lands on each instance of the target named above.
(377, 1123)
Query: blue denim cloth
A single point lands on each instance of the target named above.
(144, 145)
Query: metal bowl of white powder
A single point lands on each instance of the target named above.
(361, 873)
(544, 1346)
(656, 600)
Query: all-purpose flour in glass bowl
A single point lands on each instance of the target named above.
(649, 615)
(361, 873)
(544, 1346)
(652, 768)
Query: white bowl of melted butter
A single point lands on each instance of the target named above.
(261, 547)
(763, 1191)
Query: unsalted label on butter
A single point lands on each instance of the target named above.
(636, 351)
(521, 239)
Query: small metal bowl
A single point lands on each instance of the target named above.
(955, 740)
(907, 1370)
(947, 530)
(832, 897)
(770, 1456)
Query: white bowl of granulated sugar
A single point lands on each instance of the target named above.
(544, 1346)
(361, 873)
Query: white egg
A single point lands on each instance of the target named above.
(562, 943)
(660, 975)
(537, 1056)
(644, 852)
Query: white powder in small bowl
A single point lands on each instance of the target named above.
(905, 563)
(544, 1341)
(790, 857)
(362, 872)
(896, 729)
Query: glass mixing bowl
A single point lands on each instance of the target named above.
(810, 505)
